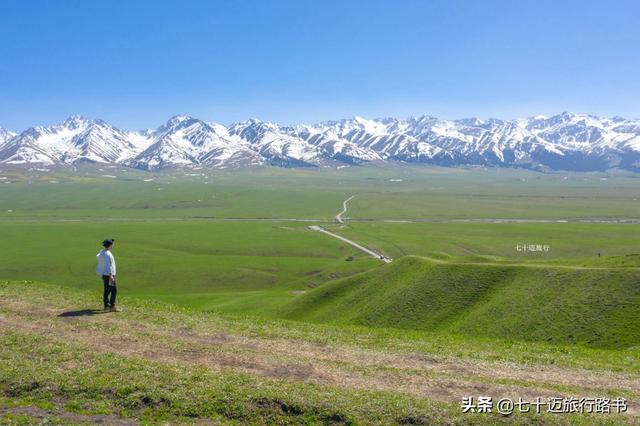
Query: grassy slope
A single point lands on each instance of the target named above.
(157, 363)
(599, 308)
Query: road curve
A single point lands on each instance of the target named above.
(371, 253)
(344, 209)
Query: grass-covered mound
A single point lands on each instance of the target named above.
(591, 306)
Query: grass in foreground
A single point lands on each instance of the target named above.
(155, 362)
(74, 378)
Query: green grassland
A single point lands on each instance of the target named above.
(244, 267)
(174, 244)
(575, 243)
(382, 193)
(230, 253)
(594, 307)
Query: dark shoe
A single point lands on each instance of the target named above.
(114, 309)
(106, 307)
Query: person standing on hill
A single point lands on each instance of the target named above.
(107, 270)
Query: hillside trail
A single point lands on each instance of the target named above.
(418, 374)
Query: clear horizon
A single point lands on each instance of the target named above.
(137, 64)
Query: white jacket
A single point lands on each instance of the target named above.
(106, 263)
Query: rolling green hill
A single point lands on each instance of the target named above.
(597, 307)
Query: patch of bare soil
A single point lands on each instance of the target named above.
(42, 414)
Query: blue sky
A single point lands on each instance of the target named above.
(135, 63)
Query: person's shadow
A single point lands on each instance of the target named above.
(82, 312)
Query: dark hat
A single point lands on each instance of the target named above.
(108, 242)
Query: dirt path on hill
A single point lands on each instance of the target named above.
(342, 366)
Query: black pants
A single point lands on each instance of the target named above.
(110, 291)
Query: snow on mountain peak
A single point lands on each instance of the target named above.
(564, 141)
(373, 127)
(75, 121)
(177, 120)
(5, 135)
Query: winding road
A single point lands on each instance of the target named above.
(344, 209)
(360, 247)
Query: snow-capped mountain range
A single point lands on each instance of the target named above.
(563, 142)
